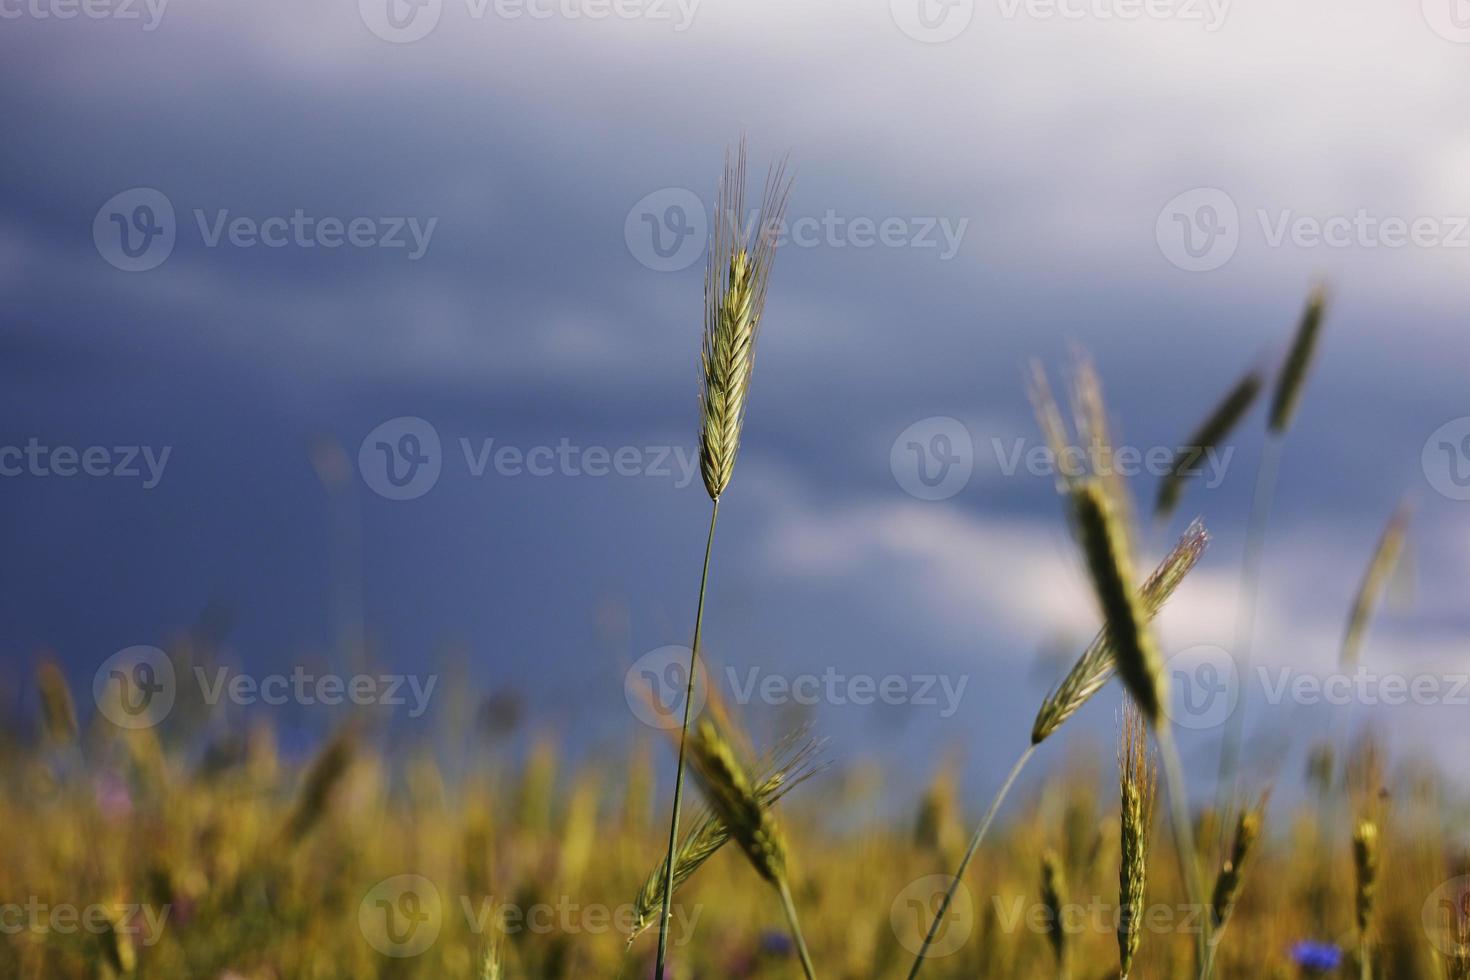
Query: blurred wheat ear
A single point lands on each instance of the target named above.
(326, 773)
(1096, 665)
(1104, 540)
(58, 712)
(1375, 581)
(1214, 430)
(1293, 376)
(790, 765)
(751, 823)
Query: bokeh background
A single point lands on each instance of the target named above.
(548, 148)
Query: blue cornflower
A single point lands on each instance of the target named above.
(1316, 958)
(776, 943)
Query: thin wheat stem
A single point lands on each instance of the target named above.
(1245, 624)
(959, 874)
(663, 919)
(1184, 841)
(790, 907)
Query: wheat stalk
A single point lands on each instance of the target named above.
(735, 283)
(1216, 427)
(1138, 785)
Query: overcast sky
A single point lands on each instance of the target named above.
(229, 231)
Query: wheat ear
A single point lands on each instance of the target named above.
(1138, 778)
(1293, 376)
(752, 825)
(1053, 887)
(789, 766)
(1375, 580)
(1214, 430)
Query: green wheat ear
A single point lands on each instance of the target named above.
(736, 279)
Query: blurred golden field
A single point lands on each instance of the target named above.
(255, 870)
